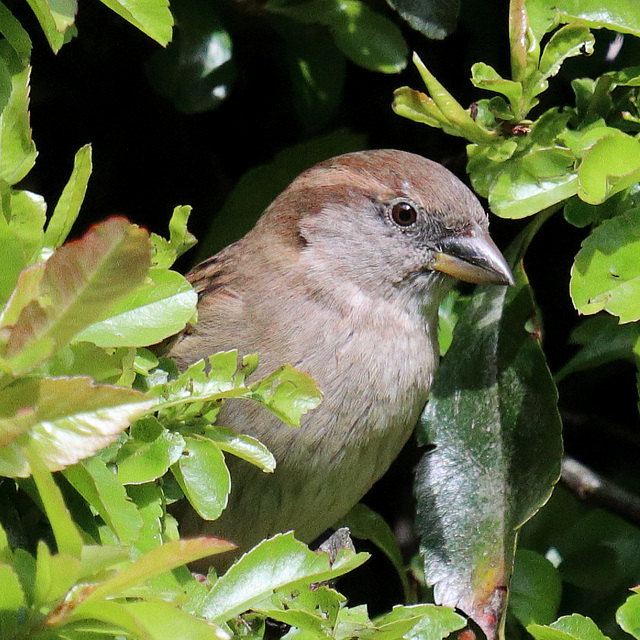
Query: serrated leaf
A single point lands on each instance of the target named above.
(281, 561)
(203, 477)
(68, 207)
(606, 272)
(62, 419)
(155, 562)
(17, 148)
(81, 280)
(151, 17)
(288, 393)
(157, 309)
(493, 420)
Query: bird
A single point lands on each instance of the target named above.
(341, 277)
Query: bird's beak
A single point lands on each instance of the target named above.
(472, 258)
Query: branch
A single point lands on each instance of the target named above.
(596, 490)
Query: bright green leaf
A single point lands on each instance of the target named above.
(203, 477)
(13, 600)
(157, 309)
(573, 627)
(166, 252)
(68, 207)
(16, 36)
(628, 616)
(242, 446)
(606, 272)
(276, 563)
(151, 17)
(62, 419)
(80, 281)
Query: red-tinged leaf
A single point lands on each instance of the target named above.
(494, 424)
(81, 281)
(63, 420)
(155, 562)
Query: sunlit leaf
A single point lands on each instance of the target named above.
(628, 615)
(606, 273)
(573, 627)
(62, 419)
(166, 252)
(151, 17)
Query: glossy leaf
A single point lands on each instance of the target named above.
(151, 17)
(275, 563)
(203, 477)
(80, 282)
(68, 207)
(628, 615)
(573, 627)
(495, 428)
(434, 18)
(196, 71)
(242, 446)
(606, 273)
(62, 419)
(610, 165)
(288, 393)
(159, 308)
(17, 148)
(485, 77)
(418, 622)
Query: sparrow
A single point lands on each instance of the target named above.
(341, 277)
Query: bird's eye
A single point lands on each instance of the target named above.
(403, 214)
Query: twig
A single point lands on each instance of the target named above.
(594, 489)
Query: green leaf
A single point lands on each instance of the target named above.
(13, 601)
(366, 524)
(276, 563)
(156, 562)
(485, 77)
(16, 36)
(628, 616)
(417, 622)
(602, 340)
(157, 309)
(494, 424)
(434, 18)
(288, 393)
(55, 576)
(621, 16)
(68, 207)
(149, 453)
(573, 627)
(96, 483)
(166, 252)
(62, 419)
(368, 38)
(17, 148)
(80, 281)
(196, 71)
(66, 533)
(151, 17)
(610, 165)
(606, 272)
(242, 446)
(203, 477)
(56, 20)
(535, 589)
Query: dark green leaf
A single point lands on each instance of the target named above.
(434, 18)
(196, 70)
(494, 423)
(535, 589)
(16, 36)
